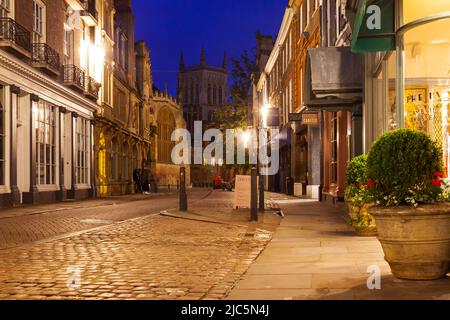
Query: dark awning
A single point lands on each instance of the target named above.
(333, 79)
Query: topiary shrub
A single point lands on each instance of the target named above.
(402, 168)
(356, 170)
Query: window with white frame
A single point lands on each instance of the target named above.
(45, 126)
(38, 22)
(2, 138)
(82, 147)
(5, 8)
(68, 47)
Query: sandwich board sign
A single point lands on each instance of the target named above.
(242, 191)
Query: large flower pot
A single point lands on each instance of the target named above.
(415, 241)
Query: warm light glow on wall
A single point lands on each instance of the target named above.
(92, 58)
(97, 57)
(444, 95)
(246, 138)
(264, 115)
(102, 165)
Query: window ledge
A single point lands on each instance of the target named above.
(82, 186)
(5, 189)
(47, 187)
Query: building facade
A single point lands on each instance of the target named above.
(49, 92)
(202, 89)
(333, 87)
(306, 139)
(168, 116)
(319, 101)
(122, 125)
(407, 79)
(280, 87)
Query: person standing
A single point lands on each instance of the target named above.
(137, 175)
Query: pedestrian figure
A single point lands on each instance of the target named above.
(137, 175)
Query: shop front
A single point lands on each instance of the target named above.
(407, 77)
(333, 89)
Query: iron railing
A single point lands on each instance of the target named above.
(74, 76)
(92, 87)
(44, 54)
(16, 33)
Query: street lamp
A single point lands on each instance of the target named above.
(246, 138)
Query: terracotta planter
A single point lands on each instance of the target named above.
(415, 241)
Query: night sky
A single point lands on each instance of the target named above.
(169, 26)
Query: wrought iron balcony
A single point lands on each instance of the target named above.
(92, 88)
(46, 58)
(74, 77)
(89, 14)
(14, 37)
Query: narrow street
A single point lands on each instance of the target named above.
(141, 247)
(27, 224)
(136, 253)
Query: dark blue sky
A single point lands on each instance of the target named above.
(169, 26)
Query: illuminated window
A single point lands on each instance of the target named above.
(82, 146)
(45, 125)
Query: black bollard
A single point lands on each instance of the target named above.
(261, 193)
(254, 196)
(183, 196)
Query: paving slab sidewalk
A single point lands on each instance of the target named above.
(314, 254)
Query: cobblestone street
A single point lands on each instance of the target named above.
(148, 257)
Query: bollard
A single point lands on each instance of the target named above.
(183, 196)
(261, 193)
(254, 196)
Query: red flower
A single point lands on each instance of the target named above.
(439, 175)
(370, 183)
(437, 183)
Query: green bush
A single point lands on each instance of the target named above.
(402, 165)
(356, 170)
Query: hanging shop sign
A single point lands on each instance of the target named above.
(374, 28)
(295, 117)
(310, 119)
